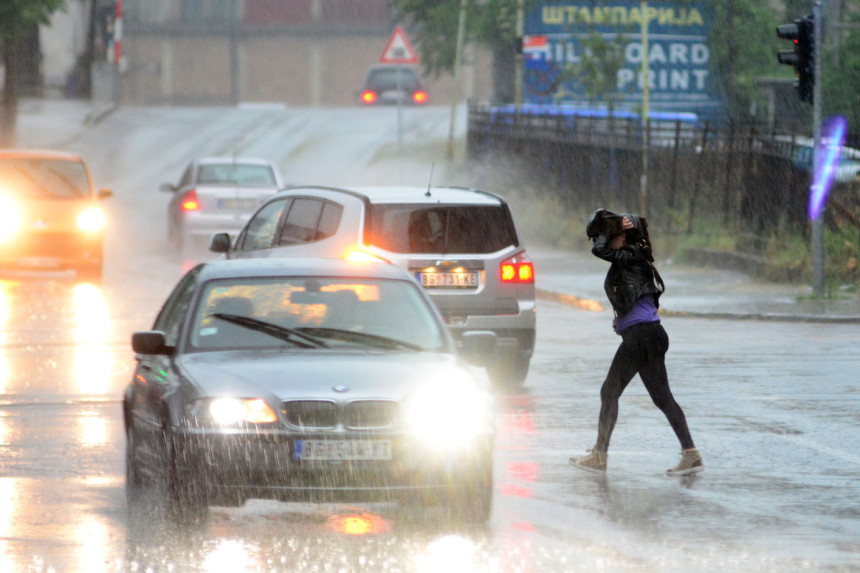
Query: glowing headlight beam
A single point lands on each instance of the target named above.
(832, 138)
(229, 411)
(10, 217)
(91, 219)
(447, 412)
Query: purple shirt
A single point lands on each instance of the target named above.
(643, 311)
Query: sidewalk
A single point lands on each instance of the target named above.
(577, 279)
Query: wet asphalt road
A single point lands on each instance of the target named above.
(772, 406)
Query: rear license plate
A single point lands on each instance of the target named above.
(458, 280)
(39, 262)
(326, 450)
(237, 204)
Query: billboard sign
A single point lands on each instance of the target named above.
(556, 47)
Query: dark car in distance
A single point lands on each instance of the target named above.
(388, 84)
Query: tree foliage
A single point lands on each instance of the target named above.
(433, 24)
(16, 18)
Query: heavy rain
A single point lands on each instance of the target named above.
(763, 332)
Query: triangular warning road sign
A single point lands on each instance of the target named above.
(399, 50)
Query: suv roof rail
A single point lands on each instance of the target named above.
(476, 190)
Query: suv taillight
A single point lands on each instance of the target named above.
(189, 201)
(419, 96)
(368, 96)
(517, 270)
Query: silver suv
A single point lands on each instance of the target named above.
(460, 244)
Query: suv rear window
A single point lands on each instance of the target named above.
(386, 79)
(477, 229)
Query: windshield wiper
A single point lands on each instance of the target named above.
(280, 332)
(359, 337)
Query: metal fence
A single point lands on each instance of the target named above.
(754, 180)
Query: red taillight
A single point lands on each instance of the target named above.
(368, 96)
(419, 97)
(517, 269)
(189, 201)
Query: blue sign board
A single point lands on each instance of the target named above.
(555, 42)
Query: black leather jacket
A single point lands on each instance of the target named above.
(630, 276)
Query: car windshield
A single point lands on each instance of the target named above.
(478, 229)
(316, 312)
(386, 79)
(236, 174)
(44, 178)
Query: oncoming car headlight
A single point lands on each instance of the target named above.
(10, 218)
(449, 413)
(91, 219)
(234, 411)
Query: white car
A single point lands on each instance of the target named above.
(217, 194)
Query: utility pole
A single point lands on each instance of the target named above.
(458, 63)
(817, 222)
(518, 59)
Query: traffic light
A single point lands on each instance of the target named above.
(802, 57)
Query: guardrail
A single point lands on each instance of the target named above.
(750, 176)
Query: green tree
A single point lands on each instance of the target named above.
(433, 25)
(16, 17)
(598, 67)
(840, 70)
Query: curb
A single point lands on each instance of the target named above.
(595, 306)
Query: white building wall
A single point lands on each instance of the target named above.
(62, 41)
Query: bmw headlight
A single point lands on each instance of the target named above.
(234, 411)
(449, 413)
(91, 219)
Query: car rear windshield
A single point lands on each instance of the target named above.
(387, 79)
(236, 174)
(44, 178)
(477, 229)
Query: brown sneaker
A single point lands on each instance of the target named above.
(691, 462)
(594, 462)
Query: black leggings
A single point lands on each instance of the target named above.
(643, 351)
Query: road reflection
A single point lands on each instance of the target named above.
(4, 335)
(93, 543)
(91, 331)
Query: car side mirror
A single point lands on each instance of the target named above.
(478, 347)
(150, 342)
(105, 193)
(167, 188)
(220, 243)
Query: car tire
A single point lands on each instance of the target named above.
(175, 239)
(509, 370)
(187, 502)
(133, 480)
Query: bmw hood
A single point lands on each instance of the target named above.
(324, 375)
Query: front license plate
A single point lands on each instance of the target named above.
(39, 262)
(342, 450)
(237, 204)
(459, 280)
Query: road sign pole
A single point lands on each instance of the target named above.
(399, 112)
